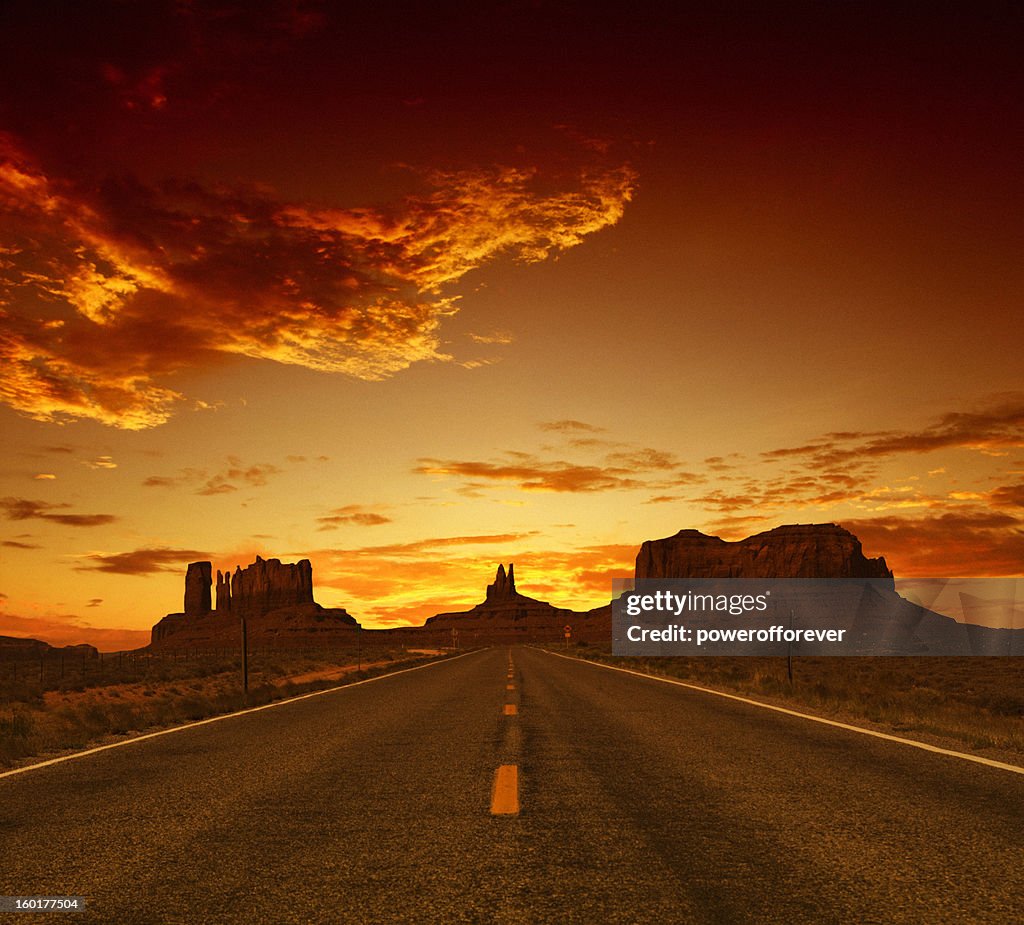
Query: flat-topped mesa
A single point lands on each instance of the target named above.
(503, 586)
(266, 585)
(197, 588)
(792, 551)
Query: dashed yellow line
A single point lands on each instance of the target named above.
(505, 792)
(510, 687)
(510, 709)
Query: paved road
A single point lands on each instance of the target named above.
(640, 802)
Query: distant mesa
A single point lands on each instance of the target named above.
(877, 619)
(275, 598)
(792, 551)
(17, 647)
(506, 616)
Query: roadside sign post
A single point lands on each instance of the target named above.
(568, 634)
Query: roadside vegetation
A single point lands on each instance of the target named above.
(973, 703)
(49, 708)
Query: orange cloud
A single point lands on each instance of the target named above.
(974, 543)
(406, 583)
(102, 294)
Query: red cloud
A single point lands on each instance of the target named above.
(972, 543)
(108, 291)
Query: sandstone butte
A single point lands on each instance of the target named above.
(794, 551)
(276, 599)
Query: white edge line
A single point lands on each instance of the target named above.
(924, 746)
(216, 719)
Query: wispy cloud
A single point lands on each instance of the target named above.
(25, 509)
(571, 426)
(100, 462)
(229, 479)
(994, 429)
(533, 474)
(351, 514)
(496, 337)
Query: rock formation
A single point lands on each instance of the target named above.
(506, 616)
(504, 586)
(275, 598)
(264, 586)
(794, 551)
(19, 647)
(197, 589)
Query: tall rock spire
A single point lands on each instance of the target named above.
(197, 589)
(504, 585)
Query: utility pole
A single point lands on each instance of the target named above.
(245, 660)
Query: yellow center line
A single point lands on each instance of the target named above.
(510, 687)
(505, 793)
(510, 709)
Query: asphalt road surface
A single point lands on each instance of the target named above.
(638, 802)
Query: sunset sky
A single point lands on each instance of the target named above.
(412, 290)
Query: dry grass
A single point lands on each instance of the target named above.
(973, 703)
(93, 703)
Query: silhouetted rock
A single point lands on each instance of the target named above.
(275, 598)
(197, 589)
(15, 647)
(268, 585)
(504, 586)
(506, 616)
(794, 551)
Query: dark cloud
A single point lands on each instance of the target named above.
(145, 561)
(14, 544)
(24, 509)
